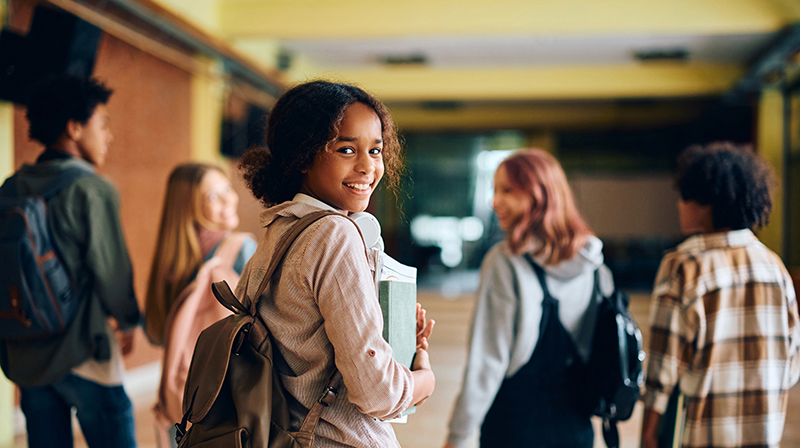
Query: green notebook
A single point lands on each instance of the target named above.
(399, 305)
(397, 294)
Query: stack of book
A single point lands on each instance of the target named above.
(397, 293)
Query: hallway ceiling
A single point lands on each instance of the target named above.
(415, 52)
(525, 50)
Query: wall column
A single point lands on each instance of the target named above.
(770, 147)
(6, 168)
(206, 114)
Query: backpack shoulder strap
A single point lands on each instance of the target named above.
(62, 181)
(224, 294)
(540, 274)
(222, 291)
(9, 187)
(598, 289)
(280, 252)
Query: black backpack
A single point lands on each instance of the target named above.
(37, 297)
(613, 376)
(614, 373)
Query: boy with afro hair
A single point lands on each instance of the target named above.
(724, 322)
(80, 368)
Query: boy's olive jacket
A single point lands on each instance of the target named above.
(86, 231)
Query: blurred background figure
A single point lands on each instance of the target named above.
(200, 212)
(196, 246)
(80, 368)
(726, 332)
(527, 348)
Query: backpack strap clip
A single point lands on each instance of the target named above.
(328, 397)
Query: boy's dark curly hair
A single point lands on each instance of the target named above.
(59, 99)
(730, 178)
(301, 124)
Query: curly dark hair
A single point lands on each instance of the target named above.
(301, 124)
(59, 99)
(730, 178)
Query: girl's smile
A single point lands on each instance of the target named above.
(219, 202)
(347, 172)
(509, 203)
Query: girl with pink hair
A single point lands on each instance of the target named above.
(528, 343)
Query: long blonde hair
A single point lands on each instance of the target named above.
(553, 219)
(178, 256)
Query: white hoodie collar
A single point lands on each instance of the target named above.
(306, 199)
(589, 258)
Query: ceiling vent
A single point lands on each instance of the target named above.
(404, 59)
(442, 105)
(666, 54)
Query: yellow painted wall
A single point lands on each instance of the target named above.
(207, 101)
(369, 18)
(264, 51)
(543, 83)
(790, 8)
(770, 147)
(6, 168)
(204, 13)
(6, 139)
(596, 115)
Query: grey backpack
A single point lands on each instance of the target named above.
(37, 297)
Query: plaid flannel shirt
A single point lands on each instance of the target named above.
(724, 323)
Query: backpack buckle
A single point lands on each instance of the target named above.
(328, 397)
(179, 433)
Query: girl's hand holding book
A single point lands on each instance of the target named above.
(424, 328)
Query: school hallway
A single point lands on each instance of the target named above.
(427, 428)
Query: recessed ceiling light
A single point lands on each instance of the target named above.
(404, 59)
(663, 54)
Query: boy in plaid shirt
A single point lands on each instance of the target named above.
(724, 322)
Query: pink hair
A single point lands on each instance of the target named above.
(553, 219)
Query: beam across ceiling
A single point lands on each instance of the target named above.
(314, 19)
(549, 116)
(642, 80)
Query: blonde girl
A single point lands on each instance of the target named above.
(200, 211)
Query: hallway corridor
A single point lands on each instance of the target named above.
(428, 426)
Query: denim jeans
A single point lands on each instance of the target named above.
(105, 414)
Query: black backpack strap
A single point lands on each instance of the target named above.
(547, 298)
(540, 274)
(598, 291)
(610, 433)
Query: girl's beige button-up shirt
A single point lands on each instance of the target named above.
(323, 302)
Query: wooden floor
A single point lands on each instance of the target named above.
(427, 428)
